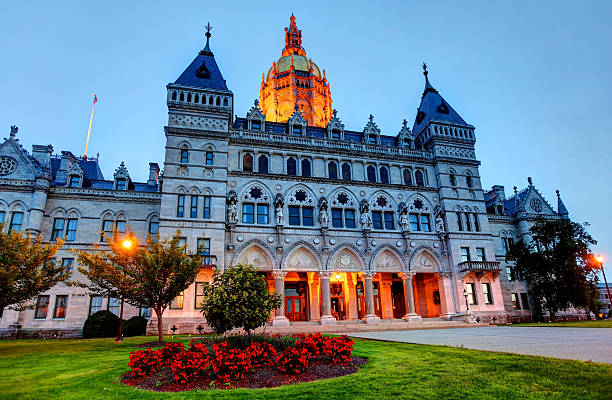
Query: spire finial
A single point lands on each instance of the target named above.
(256, 102)
(530, 181)
(558, 194)
(515, 190)
(335, 112)
(14, 130)
(405, 123)
(208, 28)
(371, 118)
(425, 69)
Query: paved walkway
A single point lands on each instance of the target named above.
(587, 344)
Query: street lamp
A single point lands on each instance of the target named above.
(465, 294)
(127, 245)
(600, 259)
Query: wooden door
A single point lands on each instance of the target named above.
(338, 304)
(361, 300)
(397, 298)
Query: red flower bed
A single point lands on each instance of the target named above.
(230, 365)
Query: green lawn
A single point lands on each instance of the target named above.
(90, 369)
(602, 323)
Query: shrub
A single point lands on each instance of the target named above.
(169, 351)
(188, 366)
(145, 362)
(229, 364)
(101, 324)
(261, 355)
(135, 326)
(294, 360)
(339, 349)
(315, 344)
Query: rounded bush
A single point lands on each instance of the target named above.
(101, 324)
(135, 326)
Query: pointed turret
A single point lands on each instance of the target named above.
(434, 108)
(203, 72)
(561, 210)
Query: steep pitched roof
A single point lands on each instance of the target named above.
(203, 72)
(434, 108)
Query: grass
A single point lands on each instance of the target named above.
(602, 323)
(90, 369)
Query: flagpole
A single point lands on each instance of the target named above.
(90, 120)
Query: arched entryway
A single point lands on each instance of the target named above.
(297, 294)
(427, 295)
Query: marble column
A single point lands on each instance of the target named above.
(446, 295)
(371, 316)
(326, 317)
(279, 286)
(37, 205)
(411, 315)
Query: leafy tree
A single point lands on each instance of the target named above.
(238, 298)
(27, 268)
(143, 276)
(557, 265)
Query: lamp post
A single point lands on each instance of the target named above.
(127, 245)
(601, 260)
(467, 304)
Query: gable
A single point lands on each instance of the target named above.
(14, 163)
(535, 203)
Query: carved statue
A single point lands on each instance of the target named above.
(439, 224)
(403, 221)
(279, 214)
(366, 218)
(14, 130)
(323, 218)
(323, 203)
(232, 209)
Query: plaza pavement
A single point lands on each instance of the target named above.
(587, 344)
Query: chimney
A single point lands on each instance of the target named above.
(499, 192)
(153, 174)
(42, 154)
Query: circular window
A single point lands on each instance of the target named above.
(7, 165)
(536, 205)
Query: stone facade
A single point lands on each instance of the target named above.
(345, 225)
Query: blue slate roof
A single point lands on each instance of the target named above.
(510, 205)
(203, 72)
(434, 108)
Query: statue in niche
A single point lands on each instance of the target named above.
(279, 202)
(366, 218)
(232, 209)
(439, 220)
(323, 215)
(403, 217)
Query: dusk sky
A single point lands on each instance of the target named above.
(533, 77)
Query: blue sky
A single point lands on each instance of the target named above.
(533, 77)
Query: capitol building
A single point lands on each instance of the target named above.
(363, 226)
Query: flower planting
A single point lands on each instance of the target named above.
(205, 364)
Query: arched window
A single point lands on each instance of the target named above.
(407, 177)
(225, 103)
(291, 166)
(262, 164)
(188, 97)
(173, 95)
(332, 170)
(256, 207)
(346, 171)
(371, 173)
(384, 175)
(306, 167)
(182, 97)
(452, 179)
(210, 100)
(418, 177)
(343, 211)
(184, 156)
(383, 216)
(196, 98)
(218, 101)
(247, 163)
(468, 180)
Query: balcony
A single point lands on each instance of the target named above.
(209, 261)
(479, 267)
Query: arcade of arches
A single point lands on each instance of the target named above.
(345, 291)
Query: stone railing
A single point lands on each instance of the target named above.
(482, 266)
(322, 142)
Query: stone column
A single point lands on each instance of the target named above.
(279, 287)
(446, 294)
(326, 317)
(411, 315)
(37, 205)
(371, 316)
(351, 298)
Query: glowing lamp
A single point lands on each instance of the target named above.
(127, 244)
(338, 277)
(599, 258)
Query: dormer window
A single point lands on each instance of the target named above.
(297, 129)
(255, 125)
(372, 139)
(184, 156)
(335, 134)
(74, 181)
(121, 184)
(406, 142)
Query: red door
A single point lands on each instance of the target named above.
(295, 301)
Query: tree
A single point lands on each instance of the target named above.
(557, 265)
(144, 276)
(27, 268)
(238, 298)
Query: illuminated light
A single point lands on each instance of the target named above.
(338, 277)
(599, 258)
(127, 243)
(295, 80)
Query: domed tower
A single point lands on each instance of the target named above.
(295, 80)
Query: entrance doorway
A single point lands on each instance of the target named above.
(295, 301)
(377, 303)
(338, 306)
(397, 298)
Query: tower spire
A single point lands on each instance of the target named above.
(293, 39)
(428, 87)
(561, 210)
(208, 35)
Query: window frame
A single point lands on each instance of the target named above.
(180, 205)
(209, 158)
(13, 224)
(91, 305)
(465, 254)
(172, 305)
(470, 288)
(64, 307)
(38, 306)
(184, 156)
(193, 207)
(486, 293)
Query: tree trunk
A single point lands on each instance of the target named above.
(552, 315)
(160, 325)
(250, 339)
